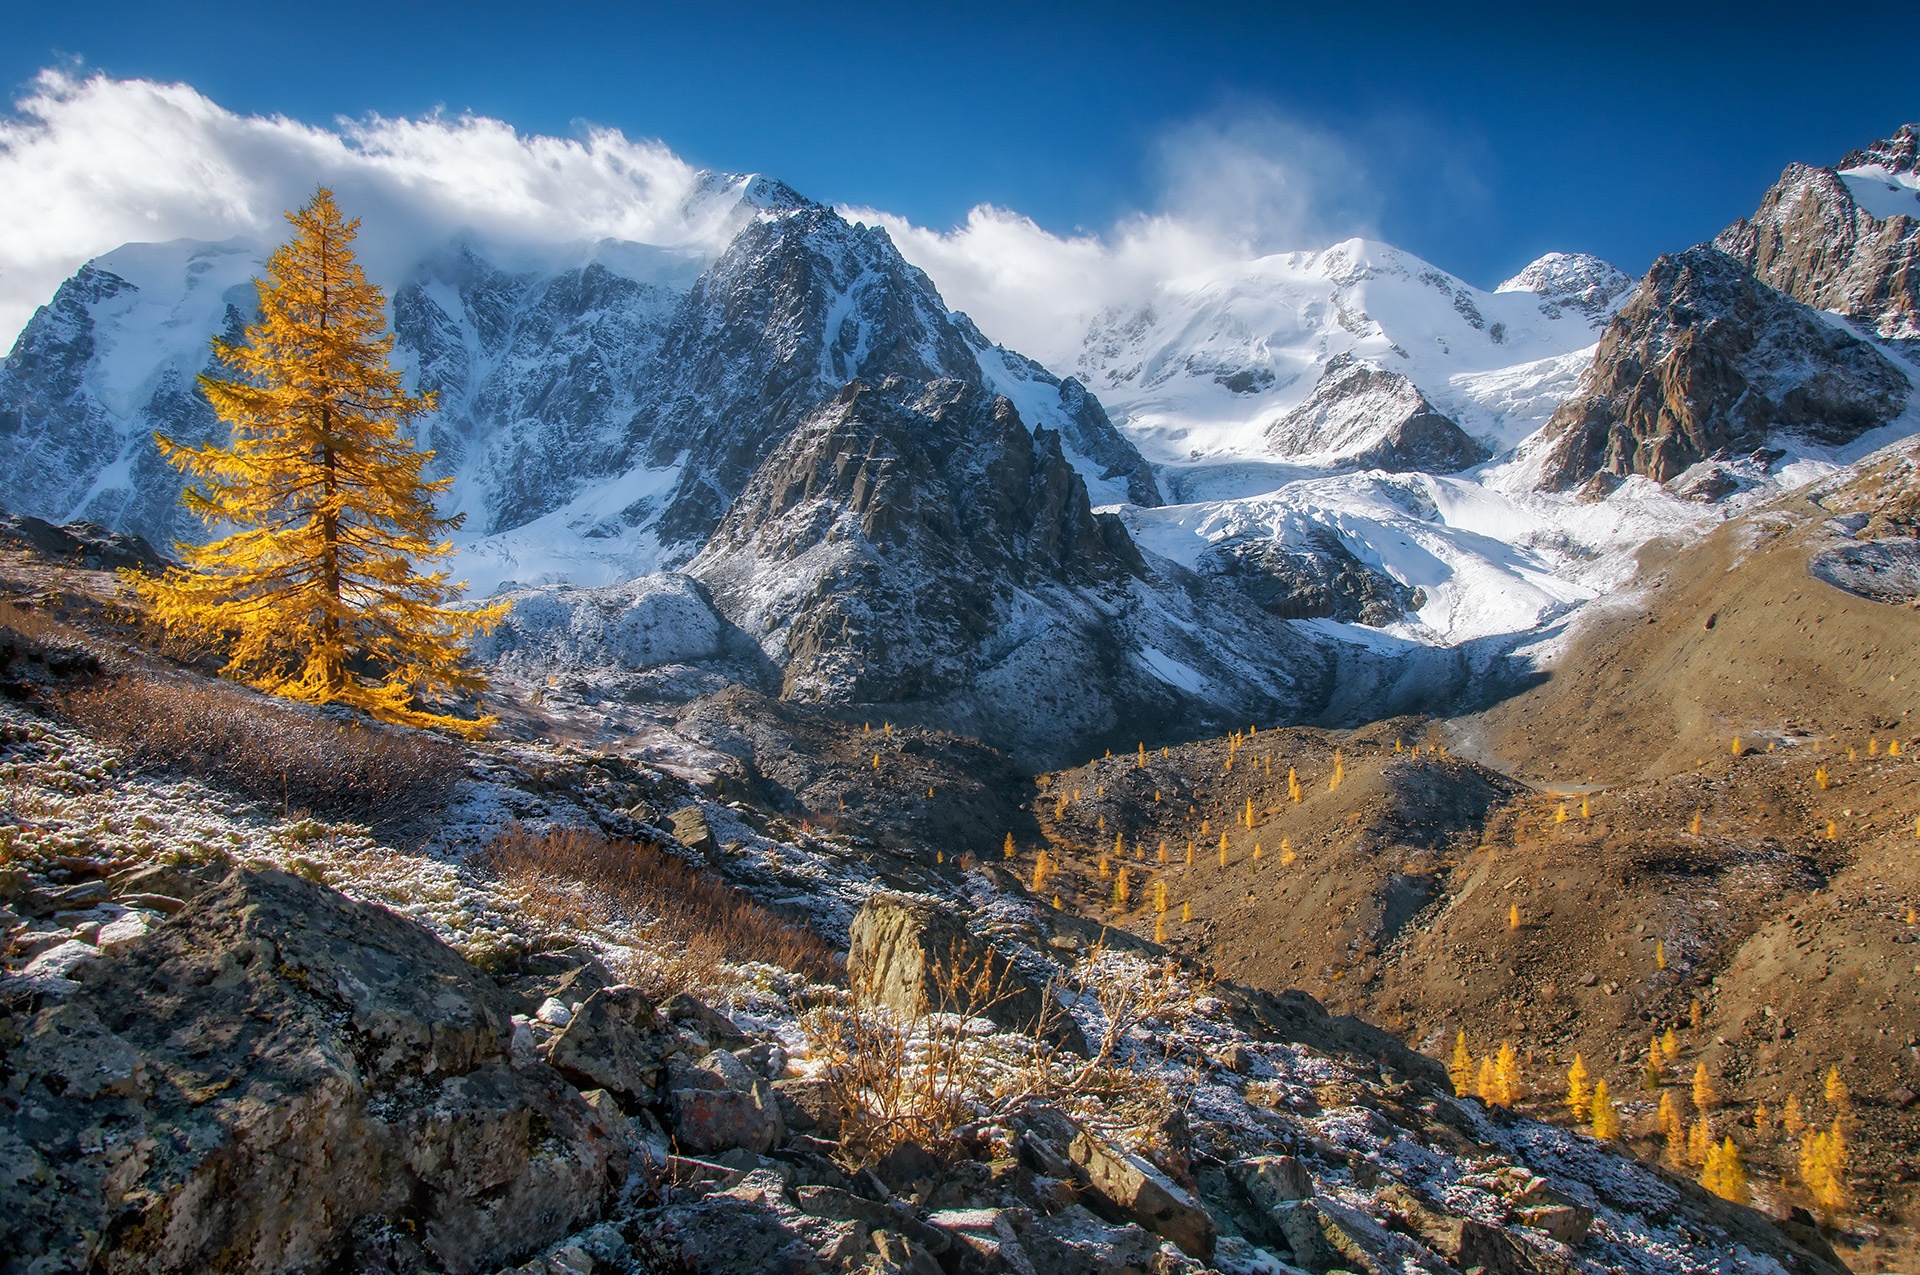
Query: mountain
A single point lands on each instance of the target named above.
(1704, 361)
(1240, 364)
(1335, 483)
(600, 404)
(1845, 238)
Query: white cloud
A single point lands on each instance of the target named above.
(1234, 185)
(92, 163)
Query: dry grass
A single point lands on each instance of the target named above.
(696, 920)
(919, 1076)
(39, 627)
(277, 756)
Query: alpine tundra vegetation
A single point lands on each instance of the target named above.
(1325, 768)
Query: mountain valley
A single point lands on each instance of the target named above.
(1309, 669)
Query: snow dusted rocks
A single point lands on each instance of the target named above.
(375, 1110)
(1706, 360)
(1846, 238)
(1138, 1192)
(1362, 415)
(1572, 281)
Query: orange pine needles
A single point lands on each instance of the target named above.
(315, 595)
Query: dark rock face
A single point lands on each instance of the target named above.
(797, 306)
(915, 546)
(1320, 579)
(1706, 359)
(1371, 418)
(84, 544)
(279, 1079)
(1812, 239)
(884, 540)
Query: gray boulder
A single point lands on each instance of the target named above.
(913, 954)
(281, 1078)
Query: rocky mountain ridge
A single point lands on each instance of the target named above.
(1844, 238)
(1705, 361)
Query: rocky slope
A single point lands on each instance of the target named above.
(456, 1062)
(1705, 360)
(1844, 238)
(917, 546)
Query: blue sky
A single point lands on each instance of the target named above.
(1476, 141)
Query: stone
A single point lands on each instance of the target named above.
(1271, 1180)
(289, 1079)
(1072, 1241)
(992, 1234)
(690, 830)
(730, 1069)
(123, 930)
(716, 1029)
(807, 1105)
(710, 1120)
(1325, 1238)
(898, 1255)
(74, 1056)
(913, 954)
(60, 960)
(1567, 1223)
(1137, 1192)
(612, 1043)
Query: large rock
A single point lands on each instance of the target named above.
(1707, 360)
(281, 1078)
(612, 1043)
(914, 954)
(1137, 1192)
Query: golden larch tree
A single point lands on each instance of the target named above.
(315, 594)
(1579, 1097)
(1460, 1066)
(1606, 1113)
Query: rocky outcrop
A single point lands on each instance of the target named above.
(1572, 281)
(278, 1079)
(1707, 360)
(916, 546)
(1320, 578)
(80, 544)
(915, 955)
(884, 541)
(1364, 416)
(1845, 238)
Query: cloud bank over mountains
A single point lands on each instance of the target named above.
(94, 163)
(103, 162)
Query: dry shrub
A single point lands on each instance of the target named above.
(38, 626)
(275, 755)
(697, 920)
(920, 1076)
